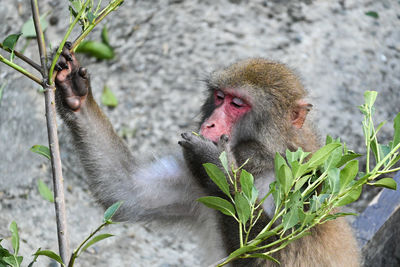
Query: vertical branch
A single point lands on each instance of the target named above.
(58, 187)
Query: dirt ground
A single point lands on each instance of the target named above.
(164, 49)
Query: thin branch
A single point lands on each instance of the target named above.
(99, 18)
(39, 37)
(20, 69)
(24, 58)
(58, 185)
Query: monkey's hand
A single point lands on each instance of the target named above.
(197, 151)
(72, 81)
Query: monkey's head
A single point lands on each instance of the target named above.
(254, 100)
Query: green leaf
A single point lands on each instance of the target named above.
(51, 255)
(104, 36)
(28, 29)
(346, 158)
(373, 14)
(333, 158)
(11, 41)
(15, 237)
(264, 256)
(299, 169)
(334, 180)
(299, 184)
(34, 258)
(322, 154)
(109, 213)
(370, 97)
(348, 174)
(108, 98)
(386, 183)
(350, 197)
(396, 127)
(242, 207)
(91, 17)
(295, 200)
(224, 161)
(290, 219)
(218, 177)
(12, 260)
(95, 239)
(95, 49)
(285, 178)
(76, 4)
(317, 201)
(45, 191)
(278, 162)
(276, 193)
(247, 183)
(240, 251)
(218, 203)
(265, 235)
(254, 195)
(41, 150)
(1, 91)
(328, 139)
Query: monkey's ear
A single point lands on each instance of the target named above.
(299, 113)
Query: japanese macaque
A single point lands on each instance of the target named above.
(254, 109)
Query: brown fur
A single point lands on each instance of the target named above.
(275, 92)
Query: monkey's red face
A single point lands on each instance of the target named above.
(229, 108)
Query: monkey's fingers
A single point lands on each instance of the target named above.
(81, 82)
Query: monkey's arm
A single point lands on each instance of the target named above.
(161, 188)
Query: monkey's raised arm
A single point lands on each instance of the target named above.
(160, 188)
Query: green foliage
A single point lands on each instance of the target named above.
(108, 98)
(45, 191)
(50, 254)
(96, 49)
(10, 42)
(110, 212)
(41, 150)
(6, 257)
(28, 29)
(299, 206)
(373, 14)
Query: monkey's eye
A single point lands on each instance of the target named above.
(237, 102)
(220, 95)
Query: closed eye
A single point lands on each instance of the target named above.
(220, 95)
(237, 102)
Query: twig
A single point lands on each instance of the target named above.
(24, 58)
(59, 201)
(100, 17)
(20, 69)
(39, 37)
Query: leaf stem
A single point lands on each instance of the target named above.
(21, 70)
(76, 252)
(99, 18)
(24, 58)
(39, 37)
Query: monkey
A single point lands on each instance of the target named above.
(254, 108)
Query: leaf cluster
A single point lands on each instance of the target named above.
(307, 191)
(14, 260)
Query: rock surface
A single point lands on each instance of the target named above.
(164, 49)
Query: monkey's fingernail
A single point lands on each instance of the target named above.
(82, 72)
(179, 143)
(68, 45)
(58, 67)
(68, 57)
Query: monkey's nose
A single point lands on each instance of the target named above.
(210, 125)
